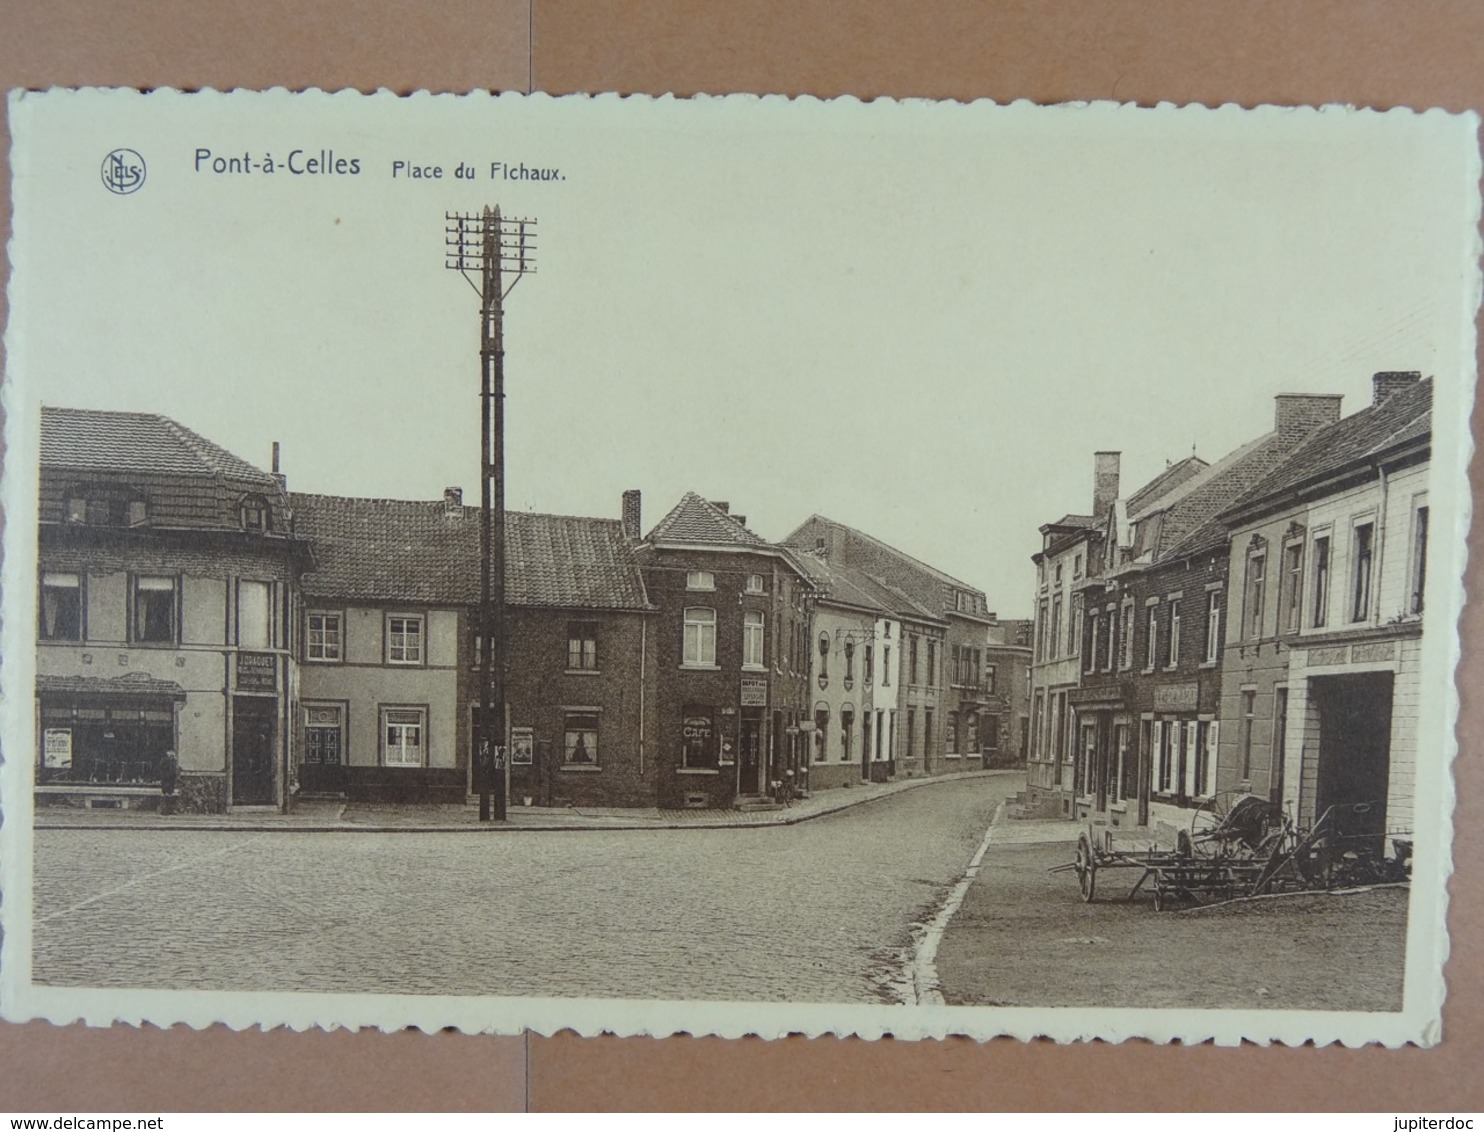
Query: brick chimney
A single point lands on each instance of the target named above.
(1105, 466)
(283, 480)
(1296, 415)
(722, 505)
(632, 526)
(453, 503)
(1383, 385)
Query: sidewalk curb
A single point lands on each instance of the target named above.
(615, 825)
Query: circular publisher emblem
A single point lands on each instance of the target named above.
(123, 171)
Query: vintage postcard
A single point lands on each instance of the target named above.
(734, 565)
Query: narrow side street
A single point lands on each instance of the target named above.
(821, 911)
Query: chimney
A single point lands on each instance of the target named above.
(1383, 385)
(741, 520)
(1296, 415)
(1104, 480)
(453, 502)
(632, 526)
(722, 505)
(283, 480)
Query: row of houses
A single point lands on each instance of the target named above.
(1251, 625)
(202, 627)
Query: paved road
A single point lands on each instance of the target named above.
(820, 911)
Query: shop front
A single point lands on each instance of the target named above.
(106, 742)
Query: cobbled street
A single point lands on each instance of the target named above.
(820, 911)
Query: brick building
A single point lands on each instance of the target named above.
(390, 650)
(1328, 565)
(1147, 713)
(732, 634)
(168, 570)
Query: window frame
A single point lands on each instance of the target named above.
(1362, 569)
(341, 711)
(1255, 594)
(699, 624)
(421, 660)
(584, 635)
(270, 609)
(1291, 586)
(309, 630)
(419, 714)
(1417, 557)
(136, 637)
(1214, 601)
(1321, 577)
(80, 589)
(754, 640)
(700, 580)
(594, 749)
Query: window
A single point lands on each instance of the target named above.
(912, 659)
(1174, 646)
(885, 665)
(105, 506)
(1056, 641)
(1093, 621)
(1321, 582)
(1076, 567)
(1118, 788)
(1126, 658)
(932, 664)
(869, 668)
(1151, 639)
(950, 735)
(324, 734)
(255, 513)
(1076, 624)
(824, 657)
(698, 737)
(756, 584)
(849, 663)
(847, 733)
(61, 607)
(911, 733)
(580, 739)
(1418, 569)
(582, 646)
(404, 639)
(154, 610)
(752, 639)
(1257, 565)
(700, 580)
(971, 733)
(322, 636)
(1363, 539)
(1213, 626)
(700, 638)
(402, 731)
(1043, 616)
(254, 614)
(1293, 583)
(927, 732)
(1249, 719)
(989, 671)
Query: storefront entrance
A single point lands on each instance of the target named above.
(252, 750)
(1354, 743)
(750, 753)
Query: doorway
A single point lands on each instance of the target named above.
(750, 754)
(252, 750)
(1354, 763)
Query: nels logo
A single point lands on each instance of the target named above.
(123, 172)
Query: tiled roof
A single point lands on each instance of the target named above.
(885, 547)
(131, 684)
(839, 583)
(1078, 522)
(1167, 480)
(95, 440)
(700, 522)
(1189, 520)
(396, 550)
(1403, 417)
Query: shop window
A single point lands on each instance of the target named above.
(61, 607)
(86, 742)
(403, 732)
(580, 739)
(322, 636)
(700, 638)
(154, 611)
(404, 639)
(582, 646)
(324, 734)
(698, 737)
(254, 614)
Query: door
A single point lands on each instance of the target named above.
(750, 755)
(252, 750)
(1354, 746)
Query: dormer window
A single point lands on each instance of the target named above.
(255, 514)
(106, 506)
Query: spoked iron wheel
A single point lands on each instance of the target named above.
(1087, 868)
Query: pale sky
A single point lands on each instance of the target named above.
(918, 320)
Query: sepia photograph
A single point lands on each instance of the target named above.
(733, 565)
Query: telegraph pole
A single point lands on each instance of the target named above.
(493, 247)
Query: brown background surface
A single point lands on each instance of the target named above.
(1364, 52)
